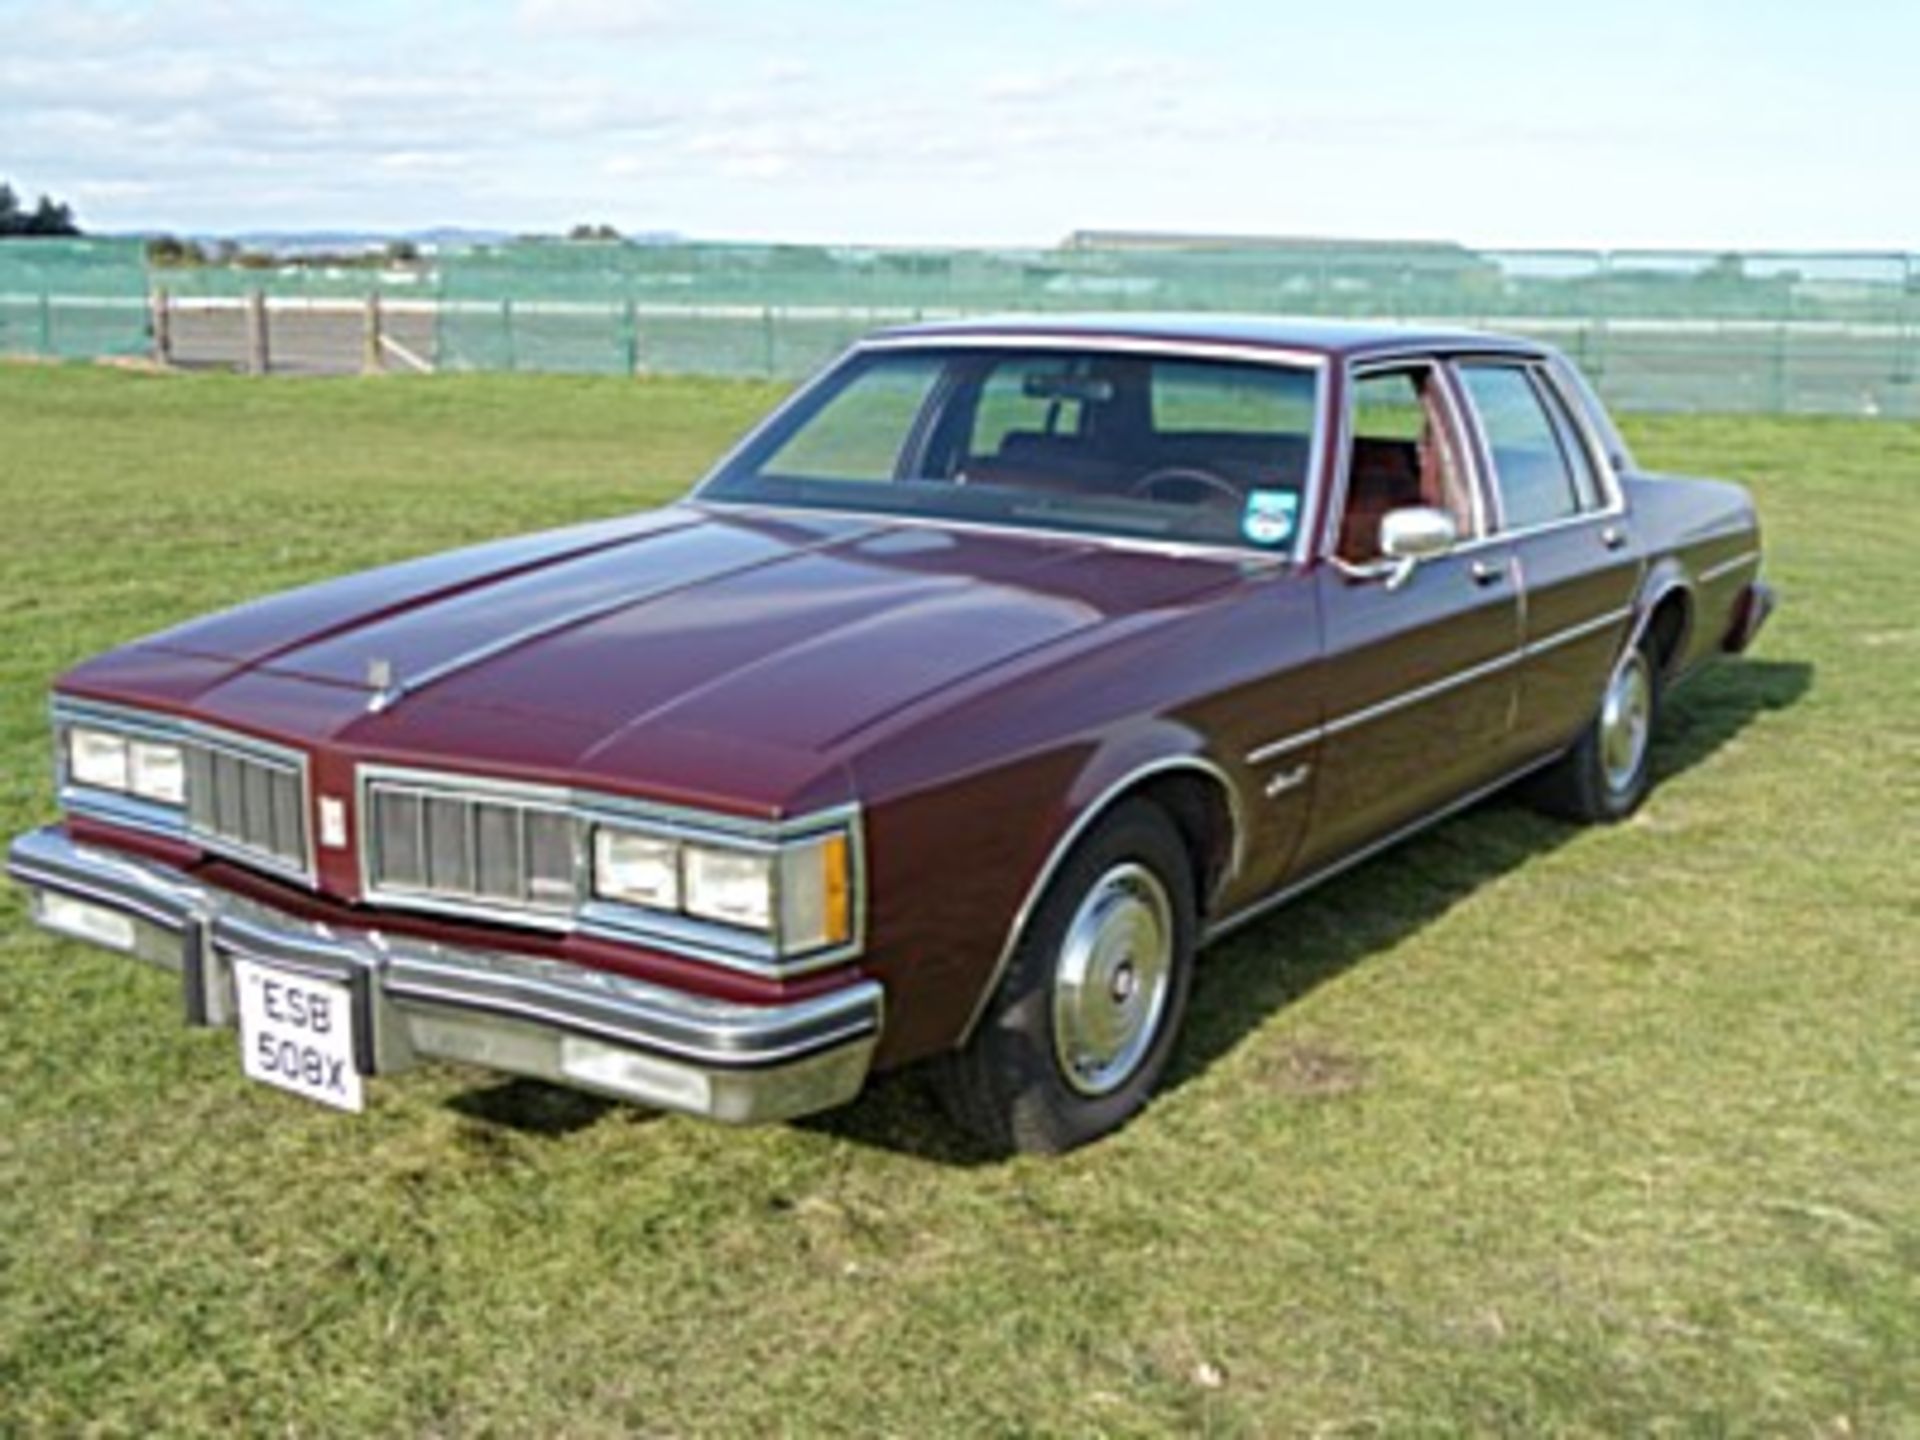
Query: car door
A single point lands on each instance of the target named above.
(1558, 506)
(1417, 676)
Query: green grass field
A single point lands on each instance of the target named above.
(1520, 1129)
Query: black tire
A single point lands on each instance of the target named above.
(1010, 1085)
(1589, 783)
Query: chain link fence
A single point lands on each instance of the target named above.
(1831, 333)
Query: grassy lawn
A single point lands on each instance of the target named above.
(1519, 1129)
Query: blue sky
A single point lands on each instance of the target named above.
(1684, 123)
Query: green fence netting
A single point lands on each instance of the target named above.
(1833, 333)
(73, 299)
(1749, 331)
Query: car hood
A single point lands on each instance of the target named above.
(662, 654)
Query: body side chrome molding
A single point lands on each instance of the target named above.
(1727, 567)
(1082, 823)
(1226, 925)
(1274, 749)
(1578, 631)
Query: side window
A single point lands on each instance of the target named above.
(1530, 466)
(1586, 479)
(860, 433)
(1402, 453)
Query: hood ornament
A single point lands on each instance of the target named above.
(380, 680)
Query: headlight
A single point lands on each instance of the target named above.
(97, 758)
(734, 887)
(146, 769)
(157, 772)
(799, 894)
(636, 869)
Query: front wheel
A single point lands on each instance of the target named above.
(1608, 772)
(1078, 1033)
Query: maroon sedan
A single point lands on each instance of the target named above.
(1002, 668)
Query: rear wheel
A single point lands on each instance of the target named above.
(1078, 1034)
(1608, 772)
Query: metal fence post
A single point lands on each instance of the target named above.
(1780, 368)
(1903, 330)
(766, 326)
(506, 329)
(630, 334)
(374, 359)
(46, 323)
(162, 327)
(259, 359)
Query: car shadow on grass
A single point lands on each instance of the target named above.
(1279, 959)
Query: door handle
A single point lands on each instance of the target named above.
(1613, 537)
(1485, 572)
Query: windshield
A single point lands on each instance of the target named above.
(1159, 447)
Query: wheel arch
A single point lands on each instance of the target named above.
(1664, 615)
(1198, 796)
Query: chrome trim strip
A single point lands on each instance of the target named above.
(1355, 718)
(1274, 749)
(1096, 341)
(1727, 567)
(684, 935)
(1225, 926)
(1175, 549)
(1089, 813)
(1577, 631)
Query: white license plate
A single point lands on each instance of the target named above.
(297, 1033)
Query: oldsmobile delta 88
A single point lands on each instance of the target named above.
(996, 673)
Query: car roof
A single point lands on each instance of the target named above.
(1333, 338)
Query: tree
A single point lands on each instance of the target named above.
(593, 232)
(49, 217)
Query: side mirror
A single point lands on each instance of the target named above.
(1416, 533)
(1407, 536)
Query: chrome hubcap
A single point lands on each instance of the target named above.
(1110, 985)
(1626, 722)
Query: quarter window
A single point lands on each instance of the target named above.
(1530, 465)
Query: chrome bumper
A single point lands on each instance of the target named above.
(416, 999)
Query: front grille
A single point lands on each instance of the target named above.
(247, 802)
(499, 852)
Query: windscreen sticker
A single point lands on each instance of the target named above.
(1270, 516)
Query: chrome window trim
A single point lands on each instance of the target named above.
(1616, 505)
(1043, 339)
(1390, 362)
(1272, 356)
(169, 821)
(590, 915)
(1176, 549)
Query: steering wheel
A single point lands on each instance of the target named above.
(1179, 483)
